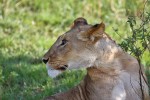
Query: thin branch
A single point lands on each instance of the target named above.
(140, 77)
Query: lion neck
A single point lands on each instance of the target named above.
(107, 53)
(111, 60)
(100, 73)
(100, 81)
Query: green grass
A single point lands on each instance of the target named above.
(29, 27)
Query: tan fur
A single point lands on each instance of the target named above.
(112, 74)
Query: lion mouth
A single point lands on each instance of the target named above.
(63, 68)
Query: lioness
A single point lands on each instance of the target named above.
(112, 74)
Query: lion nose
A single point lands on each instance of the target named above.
(45, 60)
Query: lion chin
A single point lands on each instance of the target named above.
(52, 72)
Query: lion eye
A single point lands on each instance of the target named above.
(64, 41)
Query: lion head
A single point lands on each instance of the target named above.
(76, 48)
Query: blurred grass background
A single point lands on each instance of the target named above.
(29, 27)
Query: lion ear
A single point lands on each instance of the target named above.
(94, 33)
(79, 21)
